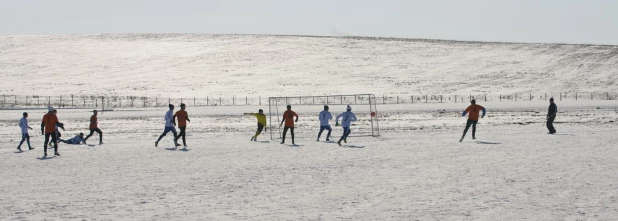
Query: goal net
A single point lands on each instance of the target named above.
(309, 107)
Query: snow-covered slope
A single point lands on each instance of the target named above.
(190, 65)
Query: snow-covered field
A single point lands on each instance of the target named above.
(416, 169)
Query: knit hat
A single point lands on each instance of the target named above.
(349, 108)
(49, 108)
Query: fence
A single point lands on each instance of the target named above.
(109, 102)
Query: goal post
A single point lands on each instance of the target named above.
(308, 108)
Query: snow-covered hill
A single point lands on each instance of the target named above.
(196, 65)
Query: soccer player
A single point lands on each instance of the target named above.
(324, 117)
(261, 123)
(288, 118)
(348, 117)
(473, 118)
(48, 128)
(23, 124)
(169, 126)
(551, 115)
(78, 139)
(94, 127)
(183, 117)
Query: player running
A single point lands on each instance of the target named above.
(288, 118)
(94, 128)
(23, 124)
(348, 117)
(48, 128)
(324, 117)
(261, 123)
(182, 117)
(473, 118)
(169, 126)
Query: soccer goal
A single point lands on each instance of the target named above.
(309, 107)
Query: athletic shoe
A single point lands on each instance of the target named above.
(45, 154)
(156, 143)
(252, 138)
(317, 140)
(474, 138)
(345, 140)
(100, 143)
(56, 154)
(177, 144)
(31, 148)
(282, 142)
(327, 139)
(19, 149)
(339, 142)
(87, 144)
(461, 139)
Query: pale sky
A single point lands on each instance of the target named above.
(543, 21)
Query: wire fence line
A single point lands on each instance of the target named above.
(109, 102)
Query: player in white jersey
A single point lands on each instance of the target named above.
(170, 124)
(347, 118)
(324, 117)
(23, 124)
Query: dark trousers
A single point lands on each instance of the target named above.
(346, 133)
(92, 132)
(285, 131)
(322, 128)
(182, 134)
(54, 139)
(550, 124)
(468, 124)
(24, 137)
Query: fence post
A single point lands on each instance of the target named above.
(383, 99)
(181, 100)
(219, 101)
(102, 103)
(260, 98)
(455, 98)
(37, 101)
(193, 101)
(397, 99)
(440, 98)
(233, 101)
(48, 100)
(412, 97)
(575, 95)
(341, 98)
(426, 98)
(530, 96)
(607, 95)
(72, 101)
(560, 95)
(500, 97)
(485, 97)
(16, 99)
(206, 100)
(546, 96)
(591, 95)
(246, 101)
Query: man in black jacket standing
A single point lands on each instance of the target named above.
(551, 115)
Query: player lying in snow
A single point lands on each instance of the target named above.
(78, 139)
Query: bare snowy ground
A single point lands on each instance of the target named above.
(193, 65)
(415, 170)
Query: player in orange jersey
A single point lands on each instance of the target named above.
(473, 118)
(94, 127)
(288, 118)
(48, 128)
(182, 117)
